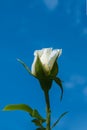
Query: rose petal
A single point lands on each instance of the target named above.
(33, 66)
(47, 57)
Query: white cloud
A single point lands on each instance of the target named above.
(69, 84)
(85, 91)
(51, 4)
(78, 79)
(85, 30)
(75, 80)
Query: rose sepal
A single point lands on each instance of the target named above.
(59, 83)
(26, 67)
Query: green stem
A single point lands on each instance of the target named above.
(48, 113)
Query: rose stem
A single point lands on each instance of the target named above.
(48, 115)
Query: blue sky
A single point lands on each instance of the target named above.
(29, 25)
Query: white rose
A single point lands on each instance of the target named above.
(47, 57)
(45, 67)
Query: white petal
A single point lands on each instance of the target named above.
(38, 52)
(59, 52)
(33, 66)
(45, 57)
(53, 57)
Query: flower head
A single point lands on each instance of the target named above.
(45, 67)
(47, 57)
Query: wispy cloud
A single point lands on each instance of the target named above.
(78, 79)
(69, 84)
(85, 30)
(85, 91)
(75, 80)
(51, 4)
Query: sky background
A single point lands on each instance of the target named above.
(28, 25)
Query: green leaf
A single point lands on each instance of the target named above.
(38, 123)
(36, 114)
(25, 66)
(61, 116)
(24, 107)
(41, 129)
(59, 82)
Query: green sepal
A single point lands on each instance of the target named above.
(46, 84)
(39, 71)
(59, 82)
(61, 116)
(33, 112)
(54, 70)
(26, 67)
(42, 76)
